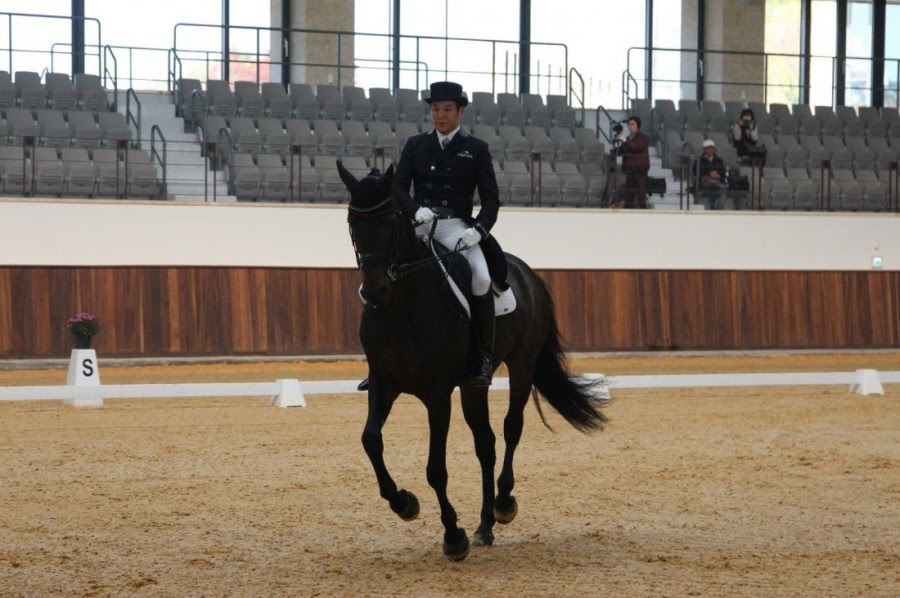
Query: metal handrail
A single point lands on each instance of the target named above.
(573, 72)
(172, 78)
(155, 132)
(114, 75)
(129, 115)
(627, 79)
(223, 133)
(608, 136)
(196, 97)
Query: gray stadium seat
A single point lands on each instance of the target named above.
(276, 102)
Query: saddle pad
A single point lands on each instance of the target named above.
(504, 301)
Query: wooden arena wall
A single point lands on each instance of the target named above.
(163, 311)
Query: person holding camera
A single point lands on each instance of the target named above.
(635, 152)
(746, 137)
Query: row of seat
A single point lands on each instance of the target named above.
(59, 92)
(777, 119)
(354, 138)
(351, 103)
(807, 194)
(59, 128)
(267, 177)
(806, 151)
(74, 172)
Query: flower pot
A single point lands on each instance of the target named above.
(83, 342)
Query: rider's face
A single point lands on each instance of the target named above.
(445, 116)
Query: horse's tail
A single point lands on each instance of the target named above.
(578, 400)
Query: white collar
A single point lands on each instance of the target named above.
(449, 136)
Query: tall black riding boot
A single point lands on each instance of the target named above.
(483, 329)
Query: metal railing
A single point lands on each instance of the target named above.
(130, 118)
(340, 64)
(161, 157)
(698, 62)
(111, 75)
(578, 94)
(11, 50)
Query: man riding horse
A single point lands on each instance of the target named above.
(445, 166)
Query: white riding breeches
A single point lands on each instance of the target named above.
(447, 233)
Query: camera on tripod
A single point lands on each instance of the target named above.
(617, 129)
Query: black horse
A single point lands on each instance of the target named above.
(416, 342)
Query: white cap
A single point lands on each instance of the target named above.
(709, 143)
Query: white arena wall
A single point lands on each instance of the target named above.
(125, 233)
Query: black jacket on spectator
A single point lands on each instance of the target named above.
(707, 165)
(448, 177)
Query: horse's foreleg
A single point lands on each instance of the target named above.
(456, 544)
(475, 410)
(402, 502)
(505, 507)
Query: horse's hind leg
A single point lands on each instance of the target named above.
(475, 410)
(456, 544)
(403, 503)
(505, 507)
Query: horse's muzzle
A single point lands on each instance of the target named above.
(377, 296)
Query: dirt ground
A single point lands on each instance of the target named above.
(708, 492)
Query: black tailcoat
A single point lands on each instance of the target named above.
(448, 177)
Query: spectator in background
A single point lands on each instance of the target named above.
(635, 152)
(710, 169)
(746, 137)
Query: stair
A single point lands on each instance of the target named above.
(671, 200)
(186, 169)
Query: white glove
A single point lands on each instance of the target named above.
(470, 237)
(424, 215)
(621, 137)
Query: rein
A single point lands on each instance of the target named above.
(395, 270)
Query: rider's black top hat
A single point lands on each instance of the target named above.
(447, 91)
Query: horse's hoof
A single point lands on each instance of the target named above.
(411, 509)
(505, 516)
(483, 538)
(459, 549)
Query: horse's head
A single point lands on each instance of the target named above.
(375, 229)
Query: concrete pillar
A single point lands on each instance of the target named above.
(689, 43)
(735, 25)
(308, 49)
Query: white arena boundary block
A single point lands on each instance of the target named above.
(284, 393)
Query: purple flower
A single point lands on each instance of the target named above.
(84, 324)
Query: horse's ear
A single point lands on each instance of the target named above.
(346, 176)
(387, 180)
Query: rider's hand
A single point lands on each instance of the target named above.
(470, 237)
(424, 215)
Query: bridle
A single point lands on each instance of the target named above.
(395, 270)
(386, 208)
